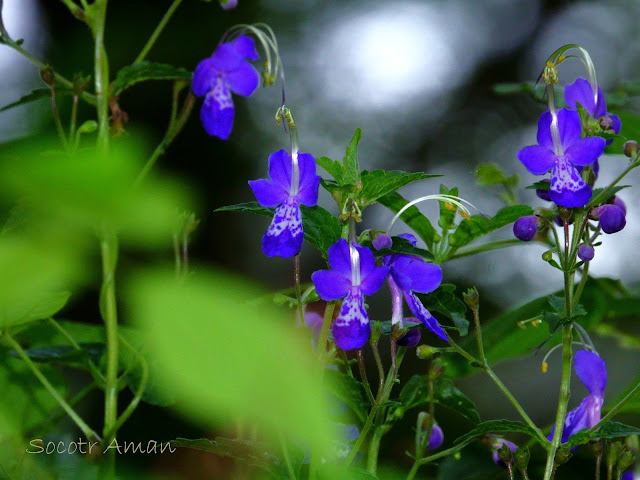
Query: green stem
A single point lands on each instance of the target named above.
(486, 247)
(376, 355)
(285, 456)
(74, 117)
(96, 19)
(562, 402)
(56, 118)
(363, 376)
(156, 33)
(634, 163)
(75, 10)
(374, 448)
(583, 281)
(86, 429)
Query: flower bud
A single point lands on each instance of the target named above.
(521, 458)
(630, 148)
(436, 370)
(425, 352)
(619, 203)
(612, 218)
(525, 228)
(563, 455)
(586, 253)
(606, 123)
(472, 298)
(505, 454)
(625, 461)
(382, 241)
(596, 447)
(47, 75)
(410, 339)
(547, 256)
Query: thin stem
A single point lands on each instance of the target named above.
(374, 449)
(616, 408)
(101, 71)
(177, 256)
(487, 247)
(598, 461)
(86, 429)
(324, 332)
(376, 355)
(296, 278)
(363, 376)
(363, 433)
(56, 118)
(285, 456)
(75, 10)
(156, 33)
(634, 163)
(74, 116)
(583, 281)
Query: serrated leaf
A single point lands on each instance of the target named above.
(495, 427)
(416, 393)
(321, 229)
(411, 216)
(349, 391)
(37, 94)
(599, 196)
(333, 168)
(143, 71)
(608, 431)
(351, 171)
(378, 183)
(478, 225)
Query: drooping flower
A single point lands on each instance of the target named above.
(563, 157)
(412, 337)
(226, 71)
(525, 228)
(496, 443)
(592, 372)
(285, 235)
(351, 328)
(409, 274)
(580, 92)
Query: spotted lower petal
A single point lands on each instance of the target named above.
(284, 236)
(567, 188)
(352, 328)
(217, 111)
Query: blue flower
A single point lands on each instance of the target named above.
(284, 236)
(226, 71)
(567, 188)
(592, 372)
(580, 92)
(351, 328)
(409, 274)
(436, 438)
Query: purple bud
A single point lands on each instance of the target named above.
(497, 445)
(544, 194)
(410, 339)
(228, 4)
(436, 438)
(606, 123)
(382, 241)
(525, 228)
(630, 148)
(586, 253)
(612, 218)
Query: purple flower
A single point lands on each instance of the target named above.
(628, 475)
(567, 188)
(592, 372)
(612, 217)
(496, 444)
(410, 274)
(436, 438)
(351, 329)
(525, 228)
(226, 71)
(580, 92)
(586, 253)
(284, 236)
(228, 4)
(381, 241)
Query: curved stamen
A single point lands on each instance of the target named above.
(545, 365)
(452, 199)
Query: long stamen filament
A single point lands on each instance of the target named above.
(545, 365)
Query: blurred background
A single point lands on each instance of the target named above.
(417, 77)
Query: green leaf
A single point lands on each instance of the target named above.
(541, 185)
(479, 226)
(489, 174)
(599, 196)
(608, 431)
(333, 168)
(444, 301)
(495, 427)
(37, 94)
(219, 366)
(411, 216)
(321, 229)
(38, 306)
(378, 183)
(416, 393)
(350, 391)
(351, 170)
(447, 210)
(143, 71)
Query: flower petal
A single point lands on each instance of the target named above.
(203, 77)
(280, 168)
(352, 328)
(340, 258)
(330, 285)
(422, 314)
(411, 238)
(374, 280)
(403, 281)
(425, 277)
(246, 47)
(367, 264)
(567, 188)
(217, 112)
(585, 151)
(243, 80)
(309, 181)
(537, 159)
(616, 124)
(592, 371)
(284, 236)
(226, 58)
(436, 438)
(544, 130)
(569, 126)
(601, 105)
(268, 193)
(580, 92)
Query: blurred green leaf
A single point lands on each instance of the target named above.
(378, 183)
(65, 354)
(144, 71)
(490, 174)
(37, 94)
(479, 226)
(350, 391)
(39, 305)
(416, 393)
(321, 229)
(607, 431)
(495, 427)
(411, 216)
(229, 359)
